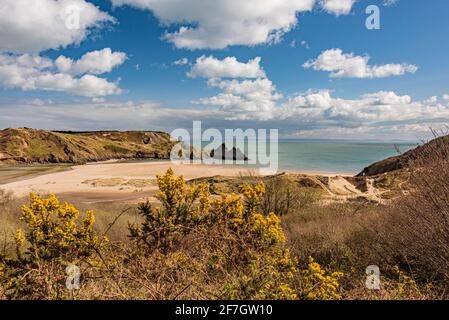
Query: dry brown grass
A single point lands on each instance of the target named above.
(323, 231)
(9, 219)
(284, 195)
(412, 233)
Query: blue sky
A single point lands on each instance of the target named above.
(396, 94)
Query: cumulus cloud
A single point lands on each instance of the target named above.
(348, 65)
(94, 62)
(387, 98)
(375, 109)
(337, 7)
(33, 72)
(319, 112)
(256, 98)
(229, 67)
(217, 24)
(244, 100)
(252, 98)
(34, 26)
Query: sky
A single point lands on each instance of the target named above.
(310, 68)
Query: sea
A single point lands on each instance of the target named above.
(336, 156)
(332, 156)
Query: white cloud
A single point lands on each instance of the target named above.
(217, 24)
(258, 99)
(319, 99)
(348, 65)
(94, 62)
(319, 113)
(386, 98)
(240, 99)
(181, 62)
(34, 26)
(32, 72)
(244, 100)
(372, 109)
(229, 67)
(337, 7)
(446, 97)
(102, 115)
(431, 100)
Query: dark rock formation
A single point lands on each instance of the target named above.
(225, 154)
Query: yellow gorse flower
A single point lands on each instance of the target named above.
(53, 228)
(19, 237)
(318, 285)
(182, 208)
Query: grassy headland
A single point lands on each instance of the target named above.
(27, 146)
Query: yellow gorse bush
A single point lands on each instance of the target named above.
(54, 236)
(253, 244)
(238, 243)
(182, 208)
(266, 230)
(244, 218)
(318, 285)
(252, 196)
(53, 229)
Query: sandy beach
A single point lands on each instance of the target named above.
(109, 181)
(116, 181)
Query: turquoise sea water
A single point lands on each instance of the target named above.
(332, 156)
(329, 156)
(335, 155)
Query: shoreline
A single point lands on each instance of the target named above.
(243, 167)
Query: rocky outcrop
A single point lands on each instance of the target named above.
(224, 153)
(26, 145)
